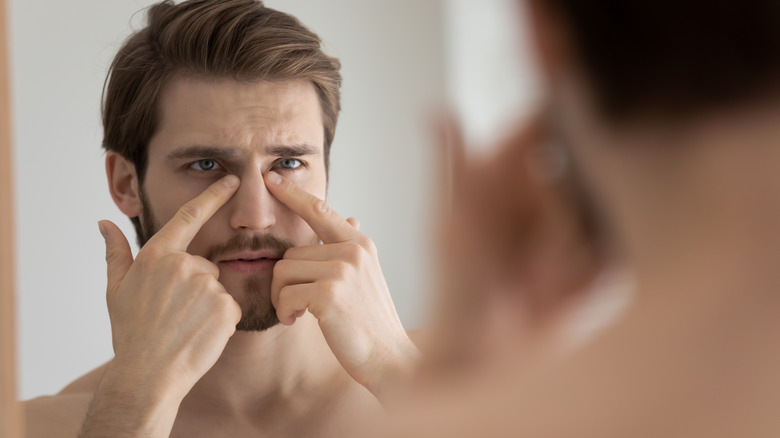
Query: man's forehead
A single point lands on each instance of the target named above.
(227, 91)
(228, 113)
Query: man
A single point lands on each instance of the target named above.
(671, 111)
(232, 320)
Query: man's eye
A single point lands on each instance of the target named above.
(290, 163)
(205, 165)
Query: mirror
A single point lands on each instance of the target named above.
(10, 420)
(400, 61)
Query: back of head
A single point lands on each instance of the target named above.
(674, 58)
(236, 39)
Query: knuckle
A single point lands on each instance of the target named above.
(204, 265)
(180, 262)
(329, 290)
(281, 266)
(283, 298)
(353, 252)
(211, 282)
(290, 253)
(224, 302)
(189, 213)
(226, 307)
(341, 268)
(368, 244)
(321, 208)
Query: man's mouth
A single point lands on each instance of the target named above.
(254, 260)
(254, 263)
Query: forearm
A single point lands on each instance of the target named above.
(393, 373)
(128, 405)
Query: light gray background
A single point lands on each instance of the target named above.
(401, 61)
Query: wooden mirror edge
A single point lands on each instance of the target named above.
(10, 409)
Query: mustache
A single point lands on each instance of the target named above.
(258, 242)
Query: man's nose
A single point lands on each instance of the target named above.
(253, 207)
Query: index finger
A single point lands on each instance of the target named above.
(326, 223)
(185, 224)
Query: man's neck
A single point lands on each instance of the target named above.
(270, 367)
(708, 220)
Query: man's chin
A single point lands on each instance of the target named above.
(259, 323)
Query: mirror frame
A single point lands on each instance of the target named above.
(10, 408)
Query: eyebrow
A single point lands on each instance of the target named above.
(197, 151)
(227, 153)
(293, 150)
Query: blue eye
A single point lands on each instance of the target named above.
(290, 163)
(205, 165)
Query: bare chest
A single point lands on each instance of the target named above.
(333, 418)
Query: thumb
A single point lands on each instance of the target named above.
(118, 254)
(354, 222)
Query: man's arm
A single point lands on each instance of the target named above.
(341, 283)
(170, 321)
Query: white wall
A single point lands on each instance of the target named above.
(492, 80)
(393, 65)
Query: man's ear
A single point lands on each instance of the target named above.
(123, 184)
(549, 39)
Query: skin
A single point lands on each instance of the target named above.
(694, 207)
(180, 368)
(530, 282)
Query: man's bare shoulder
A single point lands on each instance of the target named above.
(419, 337)
(61, 415)
(416, 335)
(88, 383)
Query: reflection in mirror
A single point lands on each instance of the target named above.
(381, 162)
(381, 172)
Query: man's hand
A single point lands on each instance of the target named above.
(340, 282)
(170, 320)
(516, 241)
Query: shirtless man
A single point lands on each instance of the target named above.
(232, 320)
(671, 110)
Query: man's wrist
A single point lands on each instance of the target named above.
(394, 371)
(127, 404)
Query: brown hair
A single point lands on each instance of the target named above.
(238, 39)
(675, 58)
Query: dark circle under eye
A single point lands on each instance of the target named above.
(290, 163)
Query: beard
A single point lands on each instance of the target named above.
(257, 310)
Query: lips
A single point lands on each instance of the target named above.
(250, 256)
(248, 267)
(251, 262)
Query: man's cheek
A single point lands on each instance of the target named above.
(205, 238)
(302, 233)
(313, 181)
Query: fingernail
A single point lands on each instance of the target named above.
(102, 229)
(230, 180)
(274, 178)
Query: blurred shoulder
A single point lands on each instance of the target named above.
(62, 414)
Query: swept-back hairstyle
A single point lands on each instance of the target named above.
(674, 58)
(237, 39)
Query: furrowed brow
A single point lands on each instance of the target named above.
(197, 151)
(293, 150)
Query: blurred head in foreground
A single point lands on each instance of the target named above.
(666, 105)
(669, 112)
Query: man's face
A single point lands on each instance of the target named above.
(211, 127)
